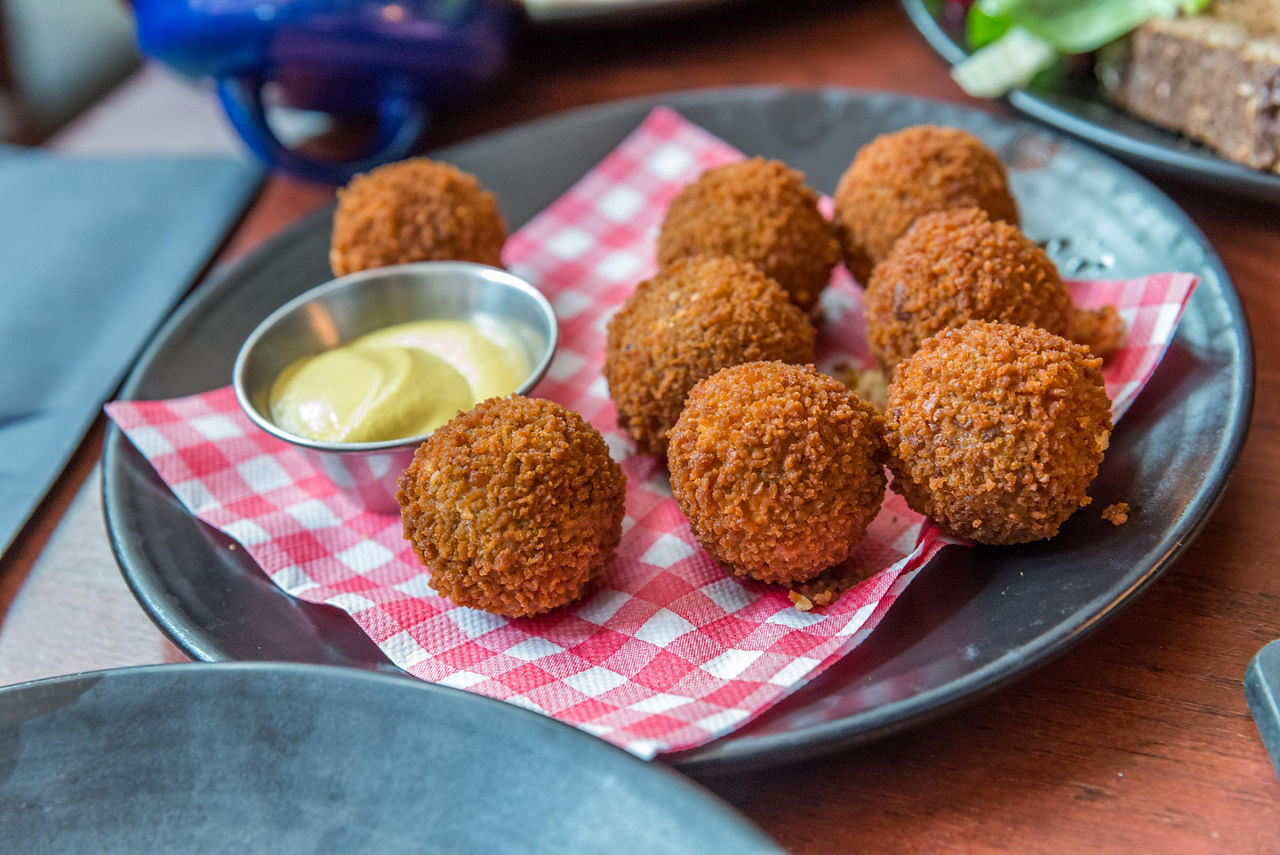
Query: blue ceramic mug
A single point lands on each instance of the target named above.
(391, 60)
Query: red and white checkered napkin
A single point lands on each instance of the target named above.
(669, 652)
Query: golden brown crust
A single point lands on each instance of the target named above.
(898, 177)
(995, 431)
(778, 468)
(758, 211)
(415, 210)
(955, 266)
(1101, 330)
(694, 318)
(514, 506)
(1117, 514)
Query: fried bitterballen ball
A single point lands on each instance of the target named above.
(779, 469)
(415, 210)
(899, 177)
(513, 506)
(995, 431)
(695, 317)
(956, 266)
(759, 211)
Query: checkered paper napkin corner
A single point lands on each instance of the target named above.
(668, 652)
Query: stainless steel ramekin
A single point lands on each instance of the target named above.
(347, 308)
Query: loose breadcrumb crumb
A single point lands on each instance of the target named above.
(800, 601)
(1117, 514)
(826, 588)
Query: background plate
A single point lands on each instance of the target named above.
(601, 14)
(1081, 110)
(973, 620)
(300, 758)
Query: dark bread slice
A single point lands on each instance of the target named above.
(1215, 78)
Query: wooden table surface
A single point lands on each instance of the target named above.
(1138, 739)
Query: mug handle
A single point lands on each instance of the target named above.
(401, 121)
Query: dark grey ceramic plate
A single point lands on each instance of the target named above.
(1082, 111)
(299, 758)
(974, 620)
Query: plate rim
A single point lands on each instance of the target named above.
(710, 803)
(1208, 169)
(737, 753)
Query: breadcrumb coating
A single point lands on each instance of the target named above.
(514, 506)
(415, 210)
(955, 266)
(1117, 514)
(995, 431)
(697, 316)
(759, 211)
(1101, 330)
(778, 468)
(899, 177)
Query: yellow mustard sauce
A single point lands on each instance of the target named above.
(401, 381)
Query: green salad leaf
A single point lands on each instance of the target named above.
(1017, 39)
(1081, 26)
(983, 29)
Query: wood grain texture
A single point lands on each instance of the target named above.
(1137, 740)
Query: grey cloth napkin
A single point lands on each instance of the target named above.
(94, 252)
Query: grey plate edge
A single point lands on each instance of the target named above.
(745, 753)
(691, 788)
(1206, 170)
